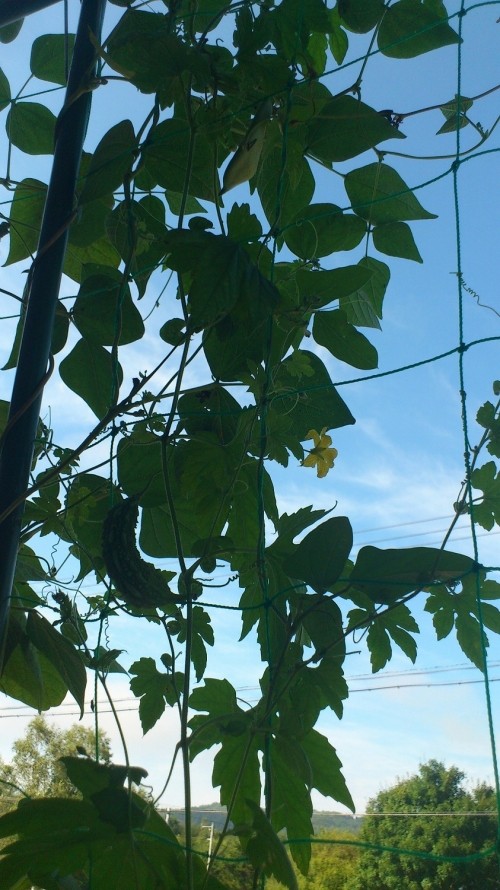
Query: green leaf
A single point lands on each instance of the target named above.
(490, 617)
(61, 653)
(210, 408)
(338, 41)
(291, 806)
(246, 325)
(197, 498)
(450, 608)
(174, 201)
(61, 328)
(104, 312)
(455, 114)
(31, 127)
(143, 48)
(397, 623)
(236, 766)
(289, 526)
(487, 417)
(4, 91)
(154, 860)
(53, 836)
(243, 526)
(322, 622)
(150, 686)
(444, 622)
(265, 850)
(9, 32)
(292, 181)
(48, 57)
(361, 16)
(315, 55)
(173, 331)
(59, 335)
(411, 28)
(387, 575)
(217, 697)
(346, 127)
(320, 557)
(110, 162)
(201, 632)
(137, 230)
(28, 566)
(208, 731)
(25, 219)
(326, 768)
(293, 22)
(90, 371)
(243, 225)
(99, 253)
(396, 239)
(470, 638)
(377, 193)
(91, 777)
(364, 307)
(16, 343)
(487, 479)
(87, 504)
(208, 14)
(90, 223)
(46, 816)
(226, 723)
(140, 467)
(335, 333)
(319, 289)
(490, 590)
(310, 402)
(166, 157)
(379, 645)
(155, 689)
(224, 275)
(105, 660)
(321, 229)
(28, 675)
(118, 807)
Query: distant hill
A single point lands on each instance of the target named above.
(326, 821)
(214, 813)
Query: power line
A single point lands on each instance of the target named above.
(222, 812)
(436, 669)
(437, 531)
(380, 528)
(425, 685)
(352, 691)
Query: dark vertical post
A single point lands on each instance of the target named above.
(17, 450)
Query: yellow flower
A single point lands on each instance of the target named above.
(321, 456)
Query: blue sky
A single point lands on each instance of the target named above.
(399, 469)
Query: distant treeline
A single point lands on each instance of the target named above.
(214, 813)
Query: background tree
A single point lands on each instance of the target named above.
(36, 768)
(437, 790)
(333, 863)
(232, 869)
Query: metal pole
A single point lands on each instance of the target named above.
(17, 447)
